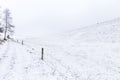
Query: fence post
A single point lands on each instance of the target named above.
(42, 53)
(22, 42)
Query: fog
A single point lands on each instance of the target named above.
(45, 17)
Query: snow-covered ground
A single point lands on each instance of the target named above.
(90, 53)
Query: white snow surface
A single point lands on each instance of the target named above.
(90, 53)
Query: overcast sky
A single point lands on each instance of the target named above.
(51, 16)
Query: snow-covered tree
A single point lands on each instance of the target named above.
(8, 28)
(1, 29)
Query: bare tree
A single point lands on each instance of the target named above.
(8, 26)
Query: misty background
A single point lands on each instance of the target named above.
(47, 17)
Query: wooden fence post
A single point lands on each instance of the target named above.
(22, 42)
(42, 53)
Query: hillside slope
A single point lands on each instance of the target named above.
(90, 53)
(108, 31)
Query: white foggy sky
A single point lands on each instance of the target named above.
(51, 16)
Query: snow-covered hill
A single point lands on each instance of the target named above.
(108, 31)
(89, 53)
(103, 32)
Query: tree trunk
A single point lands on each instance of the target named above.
(6, 21)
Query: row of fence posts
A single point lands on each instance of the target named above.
(42, 50)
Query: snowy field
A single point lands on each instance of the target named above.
(90, 53)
